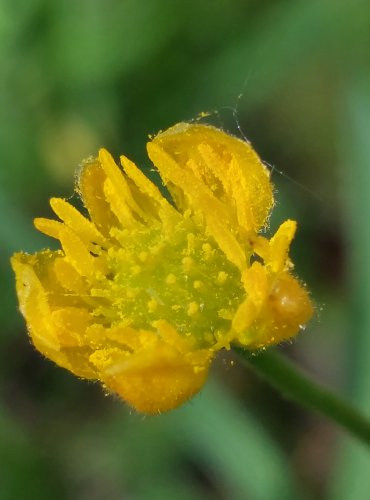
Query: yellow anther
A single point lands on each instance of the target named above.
(155, 249)
(197, 284)
(222, 277)
(152, 305)
(187, 263)
(208, 251)
(208, 337)
(193, 308)
(191, 243)
(206, 247)
(131, 293)
(170, 279)
(135, 270)
(226, 314)
(143, 256)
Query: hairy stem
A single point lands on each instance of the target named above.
(292, 383)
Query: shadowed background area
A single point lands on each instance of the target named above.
(293, 77)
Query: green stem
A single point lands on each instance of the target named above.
(284, 376)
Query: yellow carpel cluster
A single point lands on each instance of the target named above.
(144, 291)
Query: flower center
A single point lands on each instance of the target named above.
(183, 278)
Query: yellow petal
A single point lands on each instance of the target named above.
(71, 324)
(118, 206)
(85, 229)
(162, 207)
(49, 227)
(79, 256)
(153, 380)
(68, 277)
(256, 285)
(289, 305)
(34, 305)
(279, 245)
(90, 185)
(243, 180)
(201, 199)
(118, 191)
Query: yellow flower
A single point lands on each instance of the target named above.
(145, 291)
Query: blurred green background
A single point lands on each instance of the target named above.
(292, 76)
